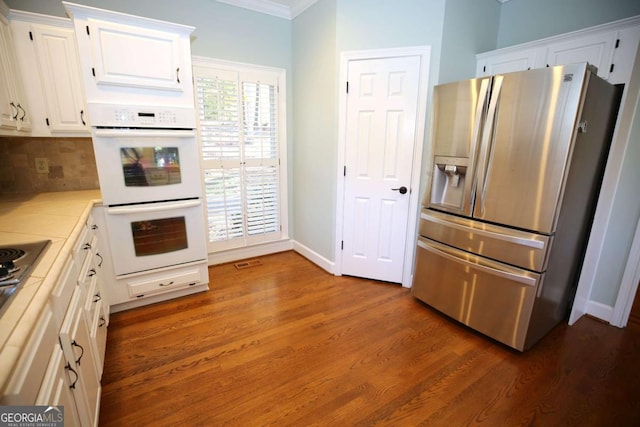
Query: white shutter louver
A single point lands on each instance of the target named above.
(238, 130)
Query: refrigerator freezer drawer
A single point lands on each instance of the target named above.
(492, 298)
(519, 248)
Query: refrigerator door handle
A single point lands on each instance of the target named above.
(530, 243)
(490, 268)
(476, 137)
(486, 144)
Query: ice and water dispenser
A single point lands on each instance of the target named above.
(448, 184)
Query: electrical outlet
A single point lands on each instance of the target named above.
(42, 165)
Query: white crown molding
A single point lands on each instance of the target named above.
(262, 6)
(273, 8)
(299, 6)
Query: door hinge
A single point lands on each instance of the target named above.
(617, 44)
(88, 33)
(30, 36)
(347, 87)
(611, 68)
(344, 172)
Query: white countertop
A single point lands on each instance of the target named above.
(58, 217)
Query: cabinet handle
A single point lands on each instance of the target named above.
(86, 246)
(97, 297)
(69, 368)
(102, 322)
(75, 344)
(101, 259)
(91, 272)
(167, 284)
(178, 74)
(24, 113)
(82, 118)
(16, 108)
(94, 227)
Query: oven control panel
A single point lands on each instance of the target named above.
(136, 116)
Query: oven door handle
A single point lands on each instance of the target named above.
(129, 210)
(159, 133)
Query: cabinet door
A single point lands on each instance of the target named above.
(78, 352)
(508, 62)
(596, 49)
(133, 56)
(56, 388)
(13, 110)
(59, 71)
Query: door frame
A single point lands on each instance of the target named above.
(424, 53)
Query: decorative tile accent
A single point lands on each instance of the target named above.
(72, 165)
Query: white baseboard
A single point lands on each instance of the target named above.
(250, 252)
(599, 310)
(314, 257)
(232, 255)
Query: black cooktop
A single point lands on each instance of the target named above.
(16, 263)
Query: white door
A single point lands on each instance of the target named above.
(381, 126)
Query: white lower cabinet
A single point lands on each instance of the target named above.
(62, 362)
(56, 387)
(78, 350)
(25, 381)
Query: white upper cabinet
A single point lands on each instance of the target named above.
(60, 77)
(596, 49)
(124, 55)
(14, 114)
(508, 62)
(142, 60)
(609, 47)
(49, 63)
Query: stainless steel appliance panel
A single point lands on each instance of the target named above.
(458, 111)
(523, 168)
(514, 247)
(491, 297)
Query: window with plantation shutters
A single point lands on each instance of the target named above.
(239, 131)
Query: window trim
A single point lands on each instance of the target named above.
(281, 76)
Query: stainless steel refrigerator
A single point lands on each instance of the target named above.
(517, 166)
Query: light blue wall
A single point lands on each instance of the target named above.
(320, 34)
(526, 20)
(470, 27)
(315, 126)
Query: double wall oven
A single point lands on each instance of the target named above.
(148, 166)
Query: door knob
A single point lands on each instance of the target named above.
(402, 189)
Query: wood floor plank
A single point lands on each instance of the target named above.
(284, 343)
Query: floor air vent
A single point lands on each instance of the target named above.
(246, 264)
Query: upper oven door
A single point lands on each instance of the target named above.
(147, 165)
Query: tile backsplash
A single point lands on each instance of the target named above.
(70, 161)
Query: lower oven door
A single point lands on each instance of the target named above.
(490, 297)
(149, 236)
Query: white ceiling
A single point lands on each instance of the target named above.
(288, 9)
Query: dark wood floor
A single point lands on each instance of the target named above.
(284, 343)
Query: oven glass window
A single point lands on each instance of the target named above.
(150, 166)
(159, 236)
